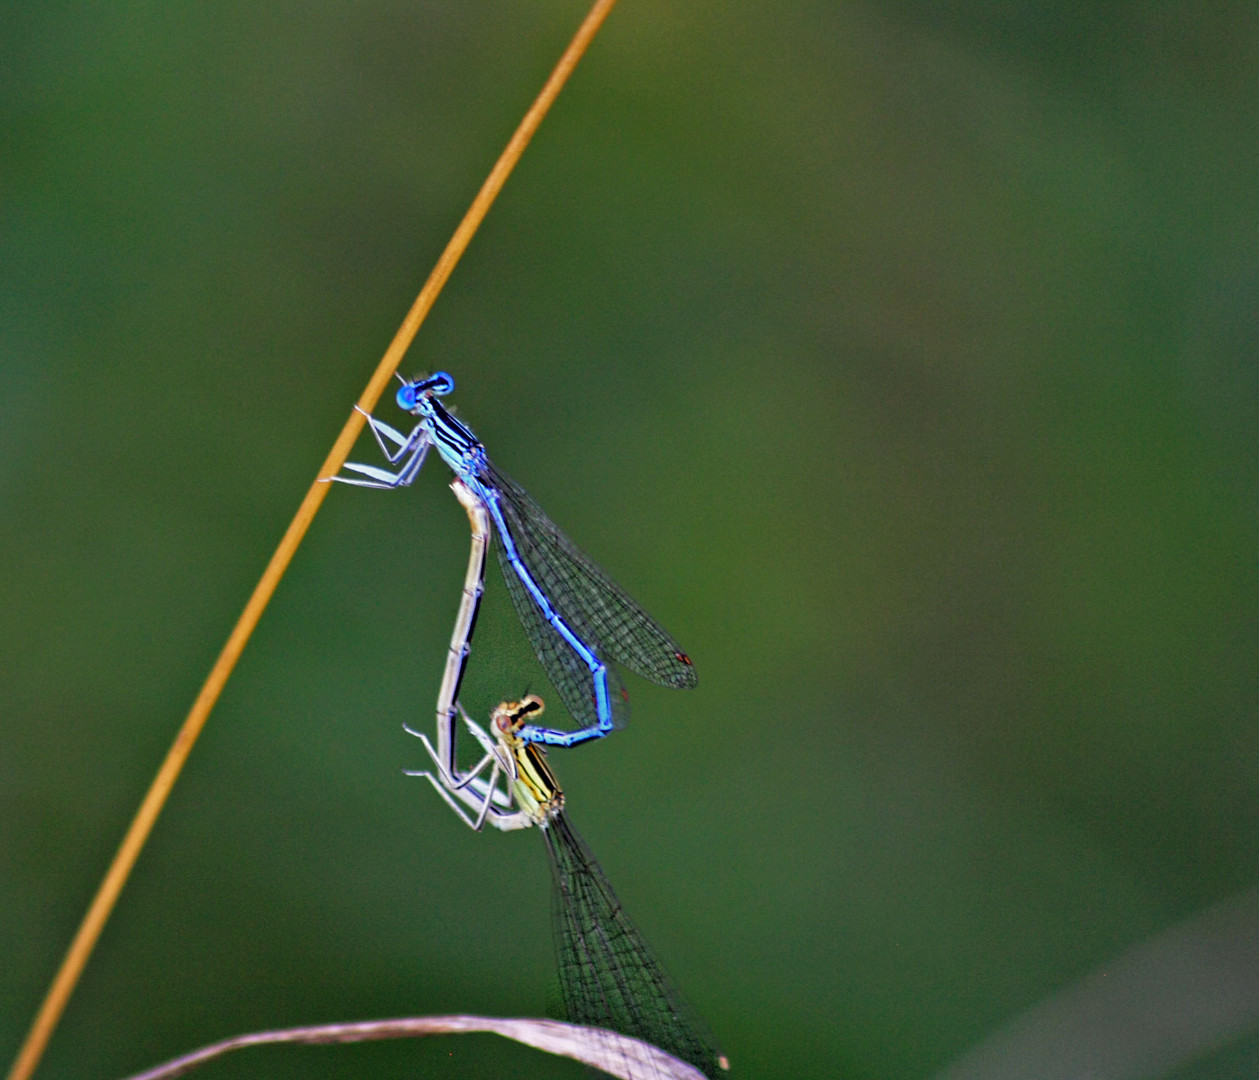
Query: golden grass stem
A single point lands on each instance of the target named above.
(107, 895)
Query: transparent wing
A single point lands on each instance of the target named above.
(585, 597)
(608, 977)
(566, 670)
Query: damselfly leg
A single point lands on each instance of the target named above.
(409, 449)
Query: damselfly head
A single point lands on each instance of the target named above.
(511, 716)
(410, 393)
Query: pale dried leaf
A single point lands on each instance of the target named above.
(618, 1055)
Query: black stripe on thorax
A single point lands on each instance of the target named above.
(450, 432)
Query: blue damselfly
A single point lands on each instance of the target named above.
(576, 617)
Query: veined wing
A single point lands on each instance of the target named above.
(565, 668)
(608, 977)
(584, 596)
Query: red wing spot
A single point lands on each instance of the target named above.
(684, 658)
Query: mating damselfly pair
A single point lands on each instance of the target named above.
(579, 622)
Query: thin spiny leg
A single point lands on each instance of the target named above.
(450, 781)
(383, 478)
(486, 811)
(402, 442)
(450, 801)
(488, 799)
(480, 802)
(409, 449)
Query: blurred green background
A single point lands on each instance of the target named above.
(901, 358)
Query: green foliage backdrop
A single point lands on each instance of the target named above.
(900, 357)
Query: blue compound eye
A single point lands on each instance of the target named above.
(440, 383)
(406, 397)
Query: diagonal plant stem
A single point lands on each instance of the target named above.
(116, 876)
